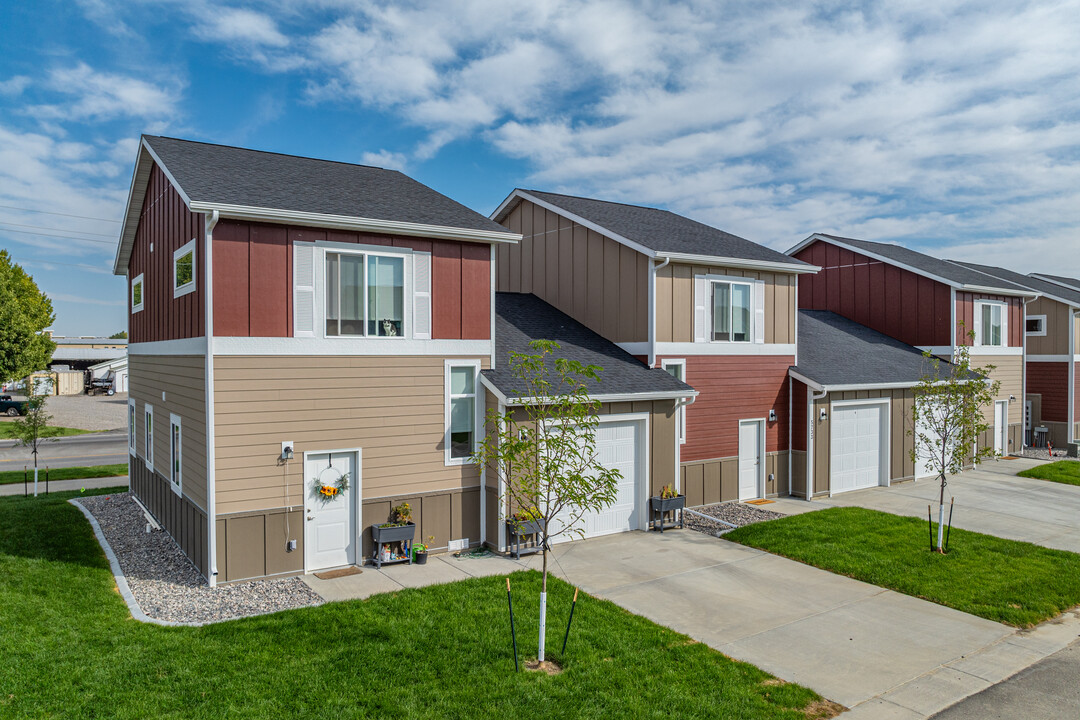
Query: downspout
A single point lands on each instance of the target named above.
(652, 309)
(483, 479)
(1071, 431)
(790, 427)
(500, 518)
(1023, 376)
(680, 403)
(811, 437)
(211, 485)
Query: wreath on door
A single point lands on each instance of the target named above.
(328, 487)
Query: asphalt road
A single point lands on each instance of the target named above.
(106, 448)
(1048, 690)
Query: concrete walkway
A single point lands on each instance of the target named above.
(61, 485)
(882, 653)
(990, 499)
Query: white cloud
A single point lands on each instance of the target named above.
(239, 25)
(100, 95)
(385, 159)
(14, 85)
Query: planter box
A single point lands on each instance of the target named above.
(659, 506)
(386, 535)
(516, 531)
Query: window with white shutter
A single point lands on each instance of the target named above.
(303, 290)
(728, 309)
(422, 296)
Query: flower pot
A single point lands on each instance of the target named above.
(420, 558)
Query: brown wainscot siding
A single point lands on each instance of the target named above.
(172, 385)
(675, 301)
(712, 481)
(592, 278)
(165, 225)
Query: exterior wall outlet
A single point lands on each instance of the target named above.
(290, 546)
(461, 544)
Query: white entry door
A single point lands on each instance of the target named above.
(618, 447)
(330, 537)
(1001, 427)
(750, 452)
(856, 447)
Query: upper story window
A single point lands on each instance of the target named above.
(990, 328)
(731, 312)
(461, 414)
(728, 309)
(137, 293)
(184, 269)
(365, 295)
(1035, 325)
(677, 369)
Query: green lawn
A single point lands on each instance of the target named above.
(1062, 471)
(71, 650)
(7, 431)
(72, 473)
(1004, 580)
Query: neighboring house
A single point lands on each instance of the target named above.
(715, 310)
(930, 304)
(1052, 337)
(852, 399)
(81, 352)
(637, 431)
(292, 320)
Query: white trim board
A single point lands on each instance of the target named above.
(690, 349)
(614, 397)
(381, 346)
(973, 350)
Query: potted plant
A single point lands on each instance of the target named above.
(667, 501)
(420, 551)
(525, 522)
(400, 529)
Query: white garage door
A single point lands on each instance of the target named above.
(856, 447)
(618, 447)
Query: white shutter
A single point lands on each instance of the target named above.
(759, 311)
(701, 308)
(421, 296)
(303, 289)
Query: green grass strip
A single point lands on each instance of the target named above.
(7, 431)
(1062, 471)
(1012, 582)
(72, 473)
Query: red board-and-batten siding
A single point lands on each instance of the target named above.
(904, 305)
(253, 279)
(167, 224)
(1051, 380)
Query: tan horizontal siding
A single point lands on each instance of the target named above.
(390, 407)
(1009, 371)
(182, 379)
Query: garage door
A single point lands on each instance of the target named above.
(618, 447)
(856, 447)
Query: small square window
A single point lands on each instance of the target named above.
(1035, 325)
(137, 293)
(184, 269)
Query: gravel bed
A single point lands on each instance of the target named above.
(1044, 454)
(167, 585)
(730, 512)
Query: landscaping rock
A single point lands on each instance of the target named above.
(167, 585)
(732, 513)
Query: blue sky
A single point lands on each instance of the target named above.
(950, 127)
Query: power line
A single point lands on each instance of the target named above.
(39, 227)
(46, 212)
(62, 237)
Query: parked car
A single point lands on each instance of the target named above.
(12, 408)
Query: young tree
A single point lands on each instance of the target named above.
(33, 427)
(122, 335)
(544, 450)
(25, 312)
(948, 418)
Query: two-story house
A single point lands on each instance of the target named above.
(715, 310)
(927, 303)
(1068, 289)
(298, 324)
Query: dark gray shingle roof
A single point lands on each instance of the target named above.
(521, 318)
(928, 264)
(663, 230)
(836, 351)
(252, 178)
(1072, 282)
(1031, 283)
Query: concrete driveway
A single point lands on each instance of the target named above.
(990, 499)
(850, 641)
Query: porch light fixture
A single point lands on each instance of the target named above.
(286, 451)
(772, 416)
(823, 415)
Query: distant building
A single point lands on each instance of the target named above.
(82, 352)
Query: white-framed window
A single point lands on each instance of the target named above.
(1035, 325)
(461, 388)
(365, 295)
(991, 321)
(729, 309)
(183, 262)
(175, 454)
(148, 436)
(137, 293)
(131, 426)
(677, 368)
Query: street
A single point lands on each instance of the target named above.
(105, 448)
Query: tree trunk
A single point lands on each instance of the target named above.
(35, 473)
(543, 606)
(941, 516)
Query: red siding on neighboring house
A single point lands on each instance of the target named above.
(965, 313)
(1051, 380)
(798, 415)
(734, 388)
(253, 279)
(899, 303)
(167, 224)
